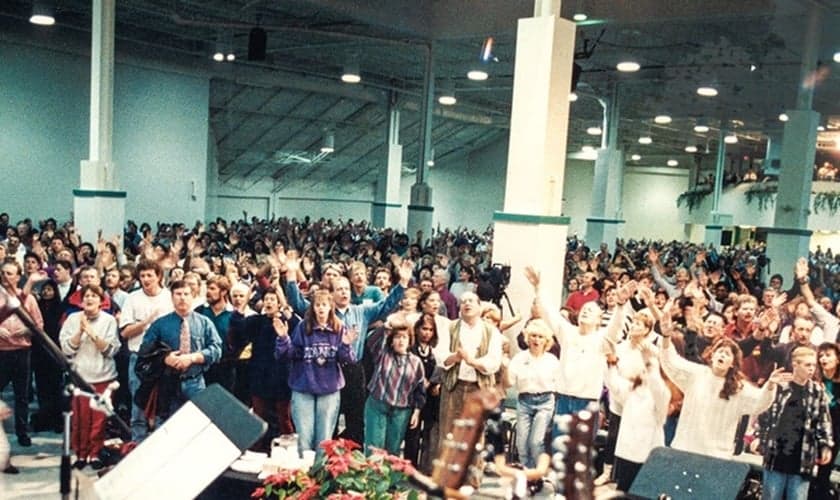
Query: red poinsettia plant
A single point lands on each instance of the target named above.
(343, 473)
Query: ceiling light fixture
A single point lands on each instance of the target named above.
(447, 99)
(783, 117)
(580, 17)
(673, 163)
(662, 119)
(837, 56)
(645, 139)
(477, 75)
(707, 91)
(328, 145)
(218, 57)
(820, 128)
(351, 73)
(731, 139)
(230, 57)
(587, 149)
(691, 148)
(573, 97)
(42, 14)
(628, 66)
(636, 157)
(701, 129)
(593, 130)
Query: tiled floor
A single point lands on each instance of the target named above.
(38, 465)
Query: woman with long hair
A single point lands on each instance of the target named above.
(46, 371)
(828, 356)
(421, 441)
(716, 394)
(316, 347)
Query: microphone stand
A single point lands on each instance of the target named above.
(10, 305)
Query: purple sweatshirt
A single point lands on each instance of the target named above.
(315, 359)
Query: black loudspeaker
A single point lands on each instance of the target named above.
(680, 474)
(256, 44)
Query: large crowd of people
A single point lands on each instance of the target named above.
(698, 348)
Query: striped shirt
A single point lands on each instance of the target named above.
(397, 379)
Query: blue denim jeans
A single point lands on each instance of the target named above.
(385, 425)
(777, 485)
(314, 417)
(567, 405)
(533, 415)
(139, 425)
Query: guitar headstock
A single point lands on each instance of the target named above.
(572, 457)
(459, 447)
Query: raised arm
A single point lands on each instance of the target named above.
(555, 320)
(827, 321)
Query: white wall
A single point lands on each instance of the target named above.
(159, 144)
(649, 203)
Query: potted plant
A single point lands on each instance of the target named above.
(343, 472)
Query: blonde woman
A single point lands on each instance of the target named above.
(533, 373)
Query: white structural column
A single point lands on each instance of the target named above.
(789, 237)
(385, 208)
(420, 208)
(97, 204)
(604, 222)
(531, 230)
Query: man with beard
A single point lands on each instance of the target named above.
(219, 312)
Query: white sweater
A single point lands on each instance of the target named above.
(708, 423)
(92, 364)
(645, 409)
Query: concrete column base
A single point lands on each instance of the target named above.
(98, 210)
(521, 240)
(420, 211)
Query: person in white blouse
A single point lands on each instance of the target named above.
(583, 352)
(89, 338)
(716, 396)
(533, 373)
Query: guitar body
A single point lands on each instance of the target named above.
(458, 450)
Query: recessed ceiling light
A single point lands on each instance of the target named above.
(628, 66)
(587, 149)
(691, 149)
(231, 57)
(837, 57)
(662, 119)
(594, 131)
(351, 73)
(42, 19)
(783, 117)
(580, 16)
(673, 163)
(645, 139)
(477, 75)
(707, 91)
(218, 57)
(701, 129)
(447, 99)
(636, 157)
(730, 139)
(573, 97)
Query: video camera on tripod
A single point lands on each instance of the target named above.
(492, 283)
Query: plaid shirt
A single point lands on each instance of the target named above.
(816, 429)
